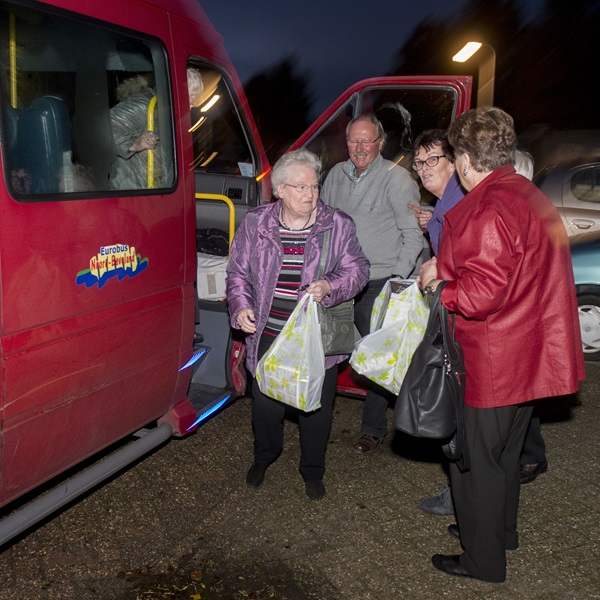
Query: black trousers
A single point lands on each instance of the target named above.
(267, 422)
(486, 498)
(377, 400)
(534, 447)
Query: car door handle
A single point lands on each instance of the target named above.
(582, 223)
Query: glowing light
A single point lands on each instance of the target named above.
(263, 174)
(466, 51)
(209, 412)
(209, 159)
(210, 103)
(197, 124)
(194, 358)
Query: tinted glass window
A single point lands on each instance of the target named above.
(404, 113)
(85, 109)
(585, 185)
(220, 144)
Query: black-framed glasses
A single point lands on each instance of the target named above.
(362, 142)
(304, 187)
(431, 161)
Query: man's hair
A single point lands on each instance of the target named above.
(370, 118)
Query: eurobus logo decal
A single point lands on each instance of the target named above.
(118, 260)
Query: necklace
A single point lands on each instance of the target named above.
(288, 227)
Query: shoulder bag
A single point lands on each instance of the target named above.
(337, 322)
(431, 398)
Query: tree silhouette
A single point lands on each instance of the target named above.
(281, 100)
(544, 68)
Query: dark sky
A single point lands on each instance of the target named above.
(337, 42)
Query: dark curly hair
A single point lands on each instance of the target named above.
(434, 137)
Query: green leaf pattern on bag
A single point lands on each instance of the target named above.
(384, 355)
(293, 369)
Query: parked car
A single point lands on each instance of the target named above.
(586, 268)
(574, 188)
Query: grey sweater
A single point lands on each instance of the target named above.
(386, 228)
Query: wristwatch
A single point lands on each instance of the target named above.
(429, 291)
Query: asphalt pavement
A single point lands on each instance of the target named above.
(183, 524)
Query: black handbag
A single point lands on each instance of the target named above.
(337, 322)
(431, 399)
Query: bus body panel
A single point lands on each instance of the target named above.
(97, 293)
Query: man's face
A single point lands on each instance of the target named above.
(364, 145)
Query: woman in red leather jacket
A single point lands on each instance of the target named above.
(506, 256)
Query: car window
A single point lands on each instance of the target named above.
(585, 184)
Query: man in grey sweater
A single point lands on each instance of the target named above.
(376, 193)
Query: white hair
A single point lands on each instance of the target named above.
(524, 164)
(195, 86)
(296, 158)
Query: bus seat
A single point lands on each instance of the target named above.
(43, 136)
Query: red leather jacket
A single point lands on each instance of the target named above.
(506, 254)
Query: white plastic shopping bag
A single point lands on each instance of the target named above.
(389, 306)
(383, 356)
(293, 368)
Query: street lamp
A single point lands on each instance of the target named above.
(487, 67)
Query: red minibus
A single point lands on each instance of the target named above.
(110, 329)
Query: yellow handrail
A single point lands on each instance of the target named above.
(150, 127)
(13, 59)
(230, 204)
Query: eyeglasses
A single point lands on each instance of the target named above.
(361, 142)
(304, 187)
(432, 161)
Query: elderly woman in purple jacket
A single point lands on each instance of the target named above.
(274, 259)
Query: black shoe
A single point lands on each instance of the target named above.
(450, 564)
(454, 531)
(256, 474)
(315, 489)
(367, 444)
(530, 472)
(438, 505)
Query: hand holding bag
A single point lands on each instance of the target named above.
(292, 370)
(337, 322)
(430, 402)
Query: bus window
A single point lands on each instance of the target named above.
(84, 109)
(220, 145)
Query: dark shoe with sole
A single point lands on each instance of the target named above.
(530, 472)
(367, 444)
(256, 474)
(450, 563)
(315, 489)
(438, 505)
(454, 531)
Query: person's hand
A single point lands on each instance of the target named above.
(245, 320)
(423, 216)
(427, 272)
(319, 289)
(147, 141)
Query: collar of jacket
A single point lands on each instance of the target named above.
(473, 199)
(269, 223)
(372, 168)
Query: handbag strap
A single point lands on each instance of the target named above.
(325, 249)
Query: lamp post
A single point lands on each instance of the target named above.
(487, 68)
